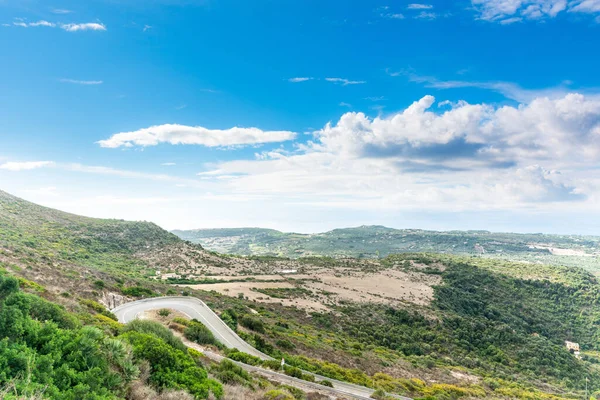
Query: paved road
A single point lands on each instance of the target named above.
(195, 308)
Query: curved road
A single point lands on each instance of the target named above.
(197, 309)
(193, 308)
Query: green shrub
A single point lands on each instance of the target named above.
(197, 332)
(230, 318)
(230, 373)
(138, 291)
(157, 330)
(181, 321)
(171, 367)
(278, 394)
(99, 308)
(254, 324)
(164, 312)
(245, 358)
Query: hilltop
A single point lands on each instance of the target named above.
(379, 241)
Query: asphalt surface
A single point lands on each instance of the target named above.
(197, 309)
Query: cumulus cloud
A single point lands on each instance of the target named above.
(463, 157)
(195, 135)
(585, 6)
(471, 156)
(25, 166)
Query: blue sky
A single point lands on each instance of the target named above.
(305, 115)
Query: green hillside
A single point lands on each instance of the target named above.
(379, 241)
(42, 236)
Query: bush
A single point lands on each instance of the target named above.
(138, 291)
(230, 318)
(245, 358)
(252, 323)
(285, 344)
(171, 367)
(157, 330)
(99, 308)
(326, 383)
(164, 312)
(196, 332)
(230, 373)
(278, 394)
(181, 321)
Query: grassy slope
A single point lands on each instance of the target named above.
(35, 239)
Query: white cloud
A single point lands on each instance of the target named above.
(195, 135)
(392, 15)
(61, 11)
(344, 82)
(462, 158)
(24, 24)
(510, 11)
(43, 23)
(300, 79)
(25, 166)
(585, 6)
(512, 20)
(508, 89)
(147, 28)
(416, 6)
(470, 157)
(81, 82)
(344, 104)
(168, 164)
(90, 26)
(426, 15)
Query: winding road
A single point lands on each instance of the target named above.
(197, 309)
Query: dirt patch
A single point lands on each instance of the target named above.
(327, 287)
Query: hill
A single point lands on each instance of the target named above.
(435, 326)
(379, 241)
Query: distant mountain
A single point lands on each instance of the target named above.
(380, 241)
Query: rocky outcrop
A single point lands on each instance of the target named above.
(113, 300)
